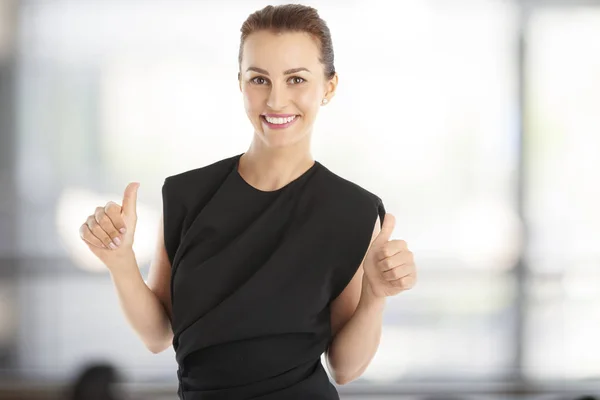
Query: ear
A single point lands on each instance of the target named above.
(331, 87)
(240, 81)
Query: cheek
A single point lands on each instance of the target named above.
(253, 99)
(308, 100)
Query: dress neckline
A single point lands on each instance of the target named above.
(267, 192)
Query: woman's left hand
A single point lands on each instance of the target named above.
(389, 266)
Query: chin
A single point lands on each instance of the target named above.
(280, 139)
(278, 142)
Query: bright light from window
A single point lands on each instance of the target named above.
(75, 205)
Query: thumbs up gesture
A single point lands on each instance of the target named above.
(110, 230)
(389, 266)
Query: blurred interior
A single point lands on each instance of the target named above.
(477, 122)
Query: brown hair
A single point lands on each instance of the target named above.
(292, 18)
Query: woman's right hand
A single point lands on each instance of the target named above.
(109, 231)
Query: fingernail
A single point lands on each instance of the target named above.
(112, 245)
(122, 230)
(117, 241)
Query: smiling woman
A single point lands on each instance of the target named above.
(265, 260)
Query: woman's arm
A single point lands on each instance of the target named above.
(147, 306)
(387, 269)
(356, 320)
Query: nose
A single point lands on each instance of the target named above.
(278, 97)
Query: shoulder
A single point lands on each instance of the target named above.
(222, 166)
(184, 193)
(350, 212)
(348, 197)
(187, 185)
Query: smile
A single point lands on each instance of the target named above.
(278, 123)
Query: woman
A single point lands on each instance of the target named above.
(265, 260)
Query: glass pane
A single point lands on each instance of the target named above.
(562, 197)
(437, 112)
(563, 138)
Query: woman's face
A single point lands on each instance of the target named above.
(283, 84)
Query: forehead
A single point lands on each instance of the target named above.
(276, 52)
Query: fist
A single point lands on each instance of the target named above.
(389, 266)
(109, 231)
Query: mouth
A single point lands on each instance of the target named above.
(279, 122)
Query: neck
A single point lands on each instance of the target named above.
(268, 168)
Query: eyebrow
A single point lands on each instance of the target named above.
(286, 72)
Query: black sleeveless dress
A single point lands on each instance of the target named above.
(253, 277)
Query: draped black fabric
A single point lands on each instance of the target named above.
(253, 276)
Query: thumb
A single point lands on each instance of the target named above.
(130, 199)
(389, 222)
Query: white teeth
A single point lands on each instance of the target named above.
(279, 121)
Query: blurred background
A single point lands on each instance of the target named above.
(477, 122)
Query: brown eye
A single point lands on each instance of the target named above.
(259, 80)
(296, 80)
